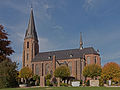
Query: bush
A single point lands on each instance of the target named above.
(48, 83)
(32, 83)
(36, 80)
(88, 83)
(101, 82)
(81, 82)
(54, 81)
(48, 76)
(36, 77)
(64, 84)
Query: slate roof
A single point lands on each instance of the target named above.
(64, 54)
(31, 31)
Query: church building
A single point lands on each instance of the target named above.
(43, 63)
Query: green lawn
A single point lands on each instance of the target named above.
(66, 88)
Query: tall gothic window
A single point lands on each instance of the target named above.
(27, 44)
(32, 50)
(42, 70)
(88, 60)
(76, 67)
(70, 67)
(33, 68)
(46, 69)
(95, 58)
(24, 58)
(37, 69)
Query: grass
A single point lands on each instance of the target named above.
(66, 88)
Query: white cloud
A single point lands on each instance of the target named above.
(89, 4)
(57, 27)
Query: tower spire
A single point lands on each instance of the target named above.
(81, 42)
(31, 6)
(31, 31)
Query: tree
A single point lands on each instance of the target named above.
(8, 74)
(111, 71)
(25, 73)
(92, 71)
(62, 71)
(5, 49)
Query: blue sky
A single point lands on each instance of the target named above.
(59, 23)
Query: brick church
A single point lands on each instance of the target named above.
(43, 63)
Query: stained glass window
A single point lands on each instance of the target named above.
(37, 69)
(27, 44)
(70, 67)
(46, 68)
(95, 59)
(88, 60)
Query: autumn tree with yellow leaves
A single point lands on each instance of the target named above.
(92, 71)
(111, 71)
(25, 73)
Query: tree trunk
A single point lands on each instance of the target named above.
(58, 80)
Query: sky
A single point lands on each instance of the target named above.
(59, 23)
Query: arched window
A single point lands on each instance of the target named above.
(27, 44)
(37, 69)
(95, 59)
(42, 70)
(46, 68)
(70, 67)
(88, 60)
(33, 68)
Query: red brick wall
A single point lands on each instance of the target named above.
(33, 47)
(77, 65)
(92, 56)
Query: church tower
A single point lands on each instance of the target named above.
(30, 46)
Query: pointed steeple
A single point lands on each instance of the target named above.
(31, 31)
(81, 42)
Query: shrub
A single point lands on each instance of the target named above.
(48, 76)
(101, 82)
(48, 83)
(81, 82)
(64, 84)
(88, 83)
